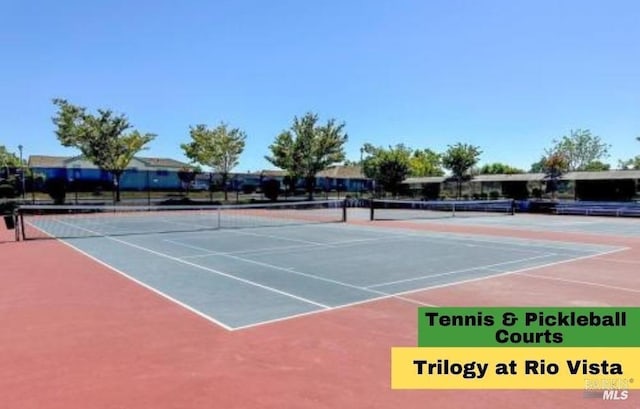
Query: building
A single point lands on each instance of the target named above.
(141, 174)
(343, 178)
(602, 185)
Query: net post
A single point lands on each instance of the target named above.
(218, 211)
(371, 216)
(22, 230)
(453, 209)
(14, 215)
(344, 210)
(512, 211)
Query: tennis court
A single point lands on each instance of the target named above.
(298, 304)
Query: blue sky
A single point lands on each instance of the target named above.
(508, 76)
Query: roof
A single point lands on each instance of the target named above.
(534, 177)
(272, 173)
(342, 172)
(41, 161)
(163, 162)
(515, 177)
(425, 179)
(603, 175)
(45, 161)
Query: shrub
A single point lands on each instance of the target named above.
(248, 188)
(57, 189)
(7, 191)
(271, 189)
(537, 193)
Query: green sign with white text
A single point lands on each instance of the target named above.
(529, 326)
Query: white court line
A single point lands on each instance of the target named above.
(291, 270)
(399, 295)
(198, 266)
(275, 250)
(270, 236)
(435, 287)
(339, 307)
(264, 250)
(487, 267)
(142, 284)
(588, 283)
(508, 241)
(615, 260)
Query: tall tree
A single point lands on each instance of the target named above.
(102, 139)
(498, 168)
(389, 167)
(219, 148)
(555, 165)
(580, 148)
(283, 157)
(459, 159)
(425, 162)
(8, 159)
(308, 148)
(538, 167)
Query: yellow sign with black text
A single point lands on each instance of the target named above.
(515, 368)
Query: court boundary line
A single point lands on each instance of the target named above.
(217, 272)
(542, 245)
(434, 287)
(302, 274)
(587, 283)
(271, 250)
(488, 267)
(398, 295)
(404, 223)
(477, 237)
(149, 287)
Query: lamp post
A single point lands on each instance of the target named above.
(361, 171)
(22, 174)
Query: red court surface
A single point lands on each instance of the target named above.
(75, 334)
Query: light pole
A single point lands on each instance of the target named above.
(22, 175)
(361, 172)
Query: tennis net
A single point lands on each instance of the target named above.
(76, 221)
(382, 209)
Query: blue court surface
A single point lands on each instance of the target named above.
(244, 277)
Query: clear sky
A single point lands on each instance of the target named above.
(509, 76)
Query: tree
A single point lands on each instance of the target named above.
(555, 165)
(219, 148)
(497, 168)
(459, 159)
(308, 148)
(538, 167)
(283, 157)
(425, 162)
(580, 148)
(630, 164)
(597, 166)
(8, 159)
(388, 168)
(187, 176)
(102, 138)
